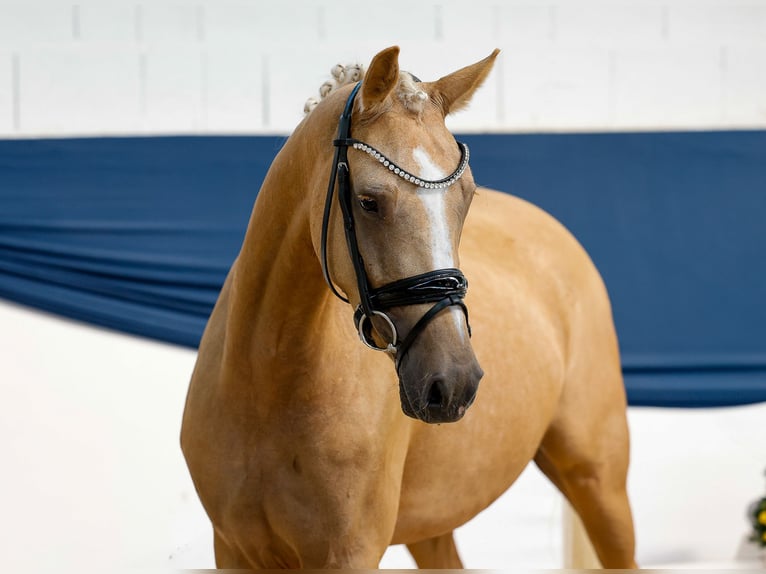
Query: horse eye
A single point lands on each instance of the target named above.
(368, 204)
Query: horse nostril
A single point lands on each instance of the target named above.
(435, 393)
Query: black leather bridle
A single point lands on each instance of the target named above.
(443, 287)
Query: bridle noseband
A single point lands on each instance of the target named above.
(443, 287)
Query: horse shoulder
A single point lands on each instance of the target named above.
(529, 254)
(545, 286)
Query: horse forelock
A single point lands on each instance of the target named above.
(409, 93)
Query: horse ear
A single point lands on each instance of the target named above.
(381, 78)
(454, 91)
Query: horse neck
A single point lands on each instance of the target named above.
(277, 283)
(286, 334)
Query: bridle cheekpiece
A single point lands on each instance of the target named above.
(443, 287)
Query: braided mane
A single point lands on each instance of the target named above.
(408, 90)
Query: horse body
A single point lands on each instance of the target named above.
(293, 431)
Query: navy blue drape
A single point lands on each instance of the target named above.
(676, 223)
(137, 234)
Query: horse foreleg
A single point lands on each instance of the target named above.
(438, 552)
(226, 557)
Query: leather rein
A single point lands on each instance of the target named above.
(443, 287)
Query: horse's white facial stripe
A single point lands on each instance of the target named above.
(434, 202)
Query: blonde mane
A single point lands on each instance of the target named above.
(407, 90)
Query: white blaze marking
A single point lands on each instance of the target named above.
(433, 201)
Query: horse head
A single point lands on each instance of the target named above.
(403, 189)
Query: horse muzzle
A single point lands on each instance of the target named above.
(441, 397)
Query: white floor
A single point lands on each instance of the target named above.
(92, 472)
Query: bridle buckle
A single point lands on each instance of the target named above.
(366, 336)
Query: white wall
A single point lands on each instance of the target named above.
(222, 66)
(92, 472)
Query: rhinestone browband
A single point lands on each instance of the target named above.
(407, 176)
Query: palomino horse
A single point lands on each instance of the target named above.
(294, 431)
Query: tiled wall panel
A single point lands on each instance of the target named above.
(676, 85)
(564, 86)
(59, 93)
(233, 97)
(162, 23)
(387, 23)
(172, 89)
(608, 24)
(744, 93)
(109, 22)
(35, 21)
(707, 22)
(288, 26)
(7, 92)
(243, 66)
